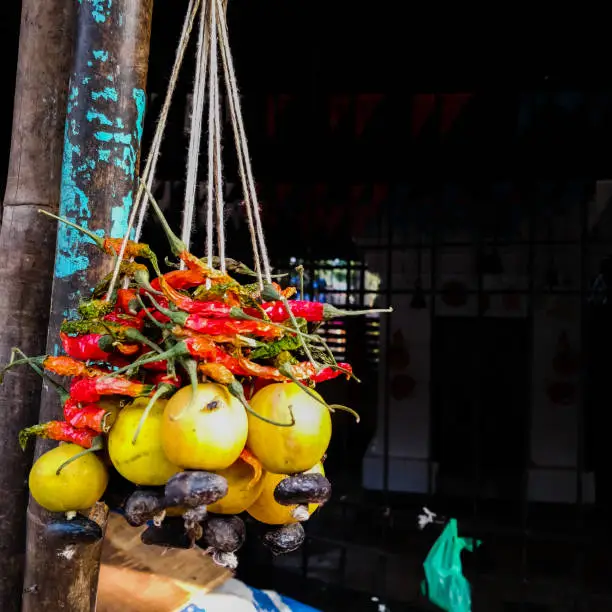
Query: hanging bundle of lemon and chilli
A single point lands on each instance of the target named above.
(199, 391)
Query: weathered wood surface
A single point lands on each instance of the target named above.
(27, 248)
(104, 121)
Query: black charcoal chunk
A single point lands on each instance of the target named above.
(193, 489)
(303, 489)
(285, 539)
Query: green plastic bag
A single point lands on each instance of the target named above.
(445, 584)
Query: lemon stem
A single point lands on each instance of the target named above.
(347, 409)
(161, 390)
(286, 371)
(191, 367)
(235, 388)
(98, 445)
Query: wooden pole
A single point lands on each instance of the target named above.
(27, 247)
(104, 122)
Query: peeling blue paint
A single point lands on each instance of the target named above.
(72, 99)
(73, 200)
(120, 217)
(100, 54)
(120, 137)
(101, 117)
(100, 10)
(115, 145)
(70, 313)
(140, 98)
(108, 93)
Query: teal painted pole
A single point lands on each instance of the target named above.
(104, 122)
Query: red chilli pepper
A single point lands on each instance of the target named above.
(112, 246)
(118, 361)
(125, 320)
(85, 347)
(181, 279)
(221, 326)
(68, 366)
(63, 366)
(89, 416)
(161, 378)
(187, 304)
(222, 371)
(91, 390)
(157, 366)
(313, 312)
(158, 316)
(127, 301)
(331, 373)
(253, 386)
(60, 431)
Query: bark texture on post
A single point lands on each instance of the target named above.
(104, 121)
(27, 248)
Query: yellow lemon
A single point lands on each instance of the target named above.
(205, 432)
(245, 483)
(78, 486)
(288, 450)
(267, 510)
(143, 463)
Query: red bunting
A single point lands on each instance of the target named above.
(452, 105)
(365, 108)
(338, 107)
(423, 106)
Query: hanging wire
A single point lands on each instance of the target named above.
(151, 164)
(197, 113)
(212, 37)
